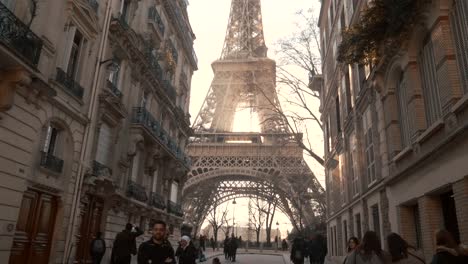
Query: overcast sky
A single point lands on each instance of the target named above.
(209, 20)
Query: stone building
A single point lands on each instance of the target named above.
(93, 122)
(396, 132)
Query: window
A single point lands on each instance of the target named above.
(335, 240)
(459, 22)
(174, 191)
(354, 164)
(125, 10)
(402, 93)
(51, 140)
(338, 115)
(417, 226)
(346, 87)
(115, 74)
(357, 219)
(136, 166)
(74, 59)
(345, 234)
(104, 145)
(328, 134)
(430, 84)
(369, 143)
(376, 218)
(154, 187)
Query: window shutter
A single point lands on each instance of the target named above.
(69, 36)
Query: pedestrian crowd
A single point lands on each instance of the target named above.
(369, 251)
(230, 246)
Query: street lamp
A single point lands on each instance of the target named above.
(277, 235)
(233, 214)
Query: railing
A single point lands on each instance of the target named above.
(175, 209)
(157, 201)
(154, 16)
(94, 4)
(169, 89)
(71, 85)
(122, 21)
(143, 117)
(51, 162)
(136, 191)
(17, 36)
(100, 169)
(113, 88)
(153, 62)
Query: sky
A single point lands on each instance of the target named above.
(209, 20)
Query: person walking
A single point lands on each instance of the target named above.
(186, 252)
(353, 243)
(298, 251)
(447, 250)
(97, 248)
(284, 245)
(315, 249)
(226, 247)
(368, 252)
(401, 252)
(212, 244)
(125, 245)
(234, 244)
(157, 250)
(202, 243)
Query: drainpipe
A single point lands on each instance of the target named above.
(88, 136)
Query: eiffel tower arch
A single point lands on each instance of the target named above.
(268, 164)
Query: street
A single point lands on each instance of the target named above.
(257, 259)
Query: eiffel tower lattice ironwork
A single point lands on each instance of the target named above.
(268, 164)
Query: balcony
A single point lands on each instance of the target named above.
(18, 37)
(174, 209)
(51, 162)
(173, 51)
(136, 191)
(71, 85)
(142, 117)
(152, 60)
(154, 16)
(100, 169)
(113, 88)
(94, 5)
(157, 201)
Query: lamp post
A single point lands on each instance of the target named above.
(277, 235)
(233, 214)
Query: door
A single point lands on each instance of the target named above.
(90, 224)
(34, 229)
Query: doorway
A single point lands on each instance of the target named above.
(449, 212)
(34, 229)
(90, 224)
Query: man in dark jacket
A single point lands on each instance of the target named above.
(186, 252)
(158, 249)
(298, 251)
(234, 244)
(125, 245)
(97, 248)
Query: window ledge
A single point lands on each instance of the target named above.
(430, 131)
(461, 104)
(405, 152)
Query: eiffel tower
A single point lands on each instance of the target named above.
(268, 164)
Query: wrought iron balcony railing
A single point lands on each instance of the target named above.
(152, 59)
(173, 51)
(100, 169)
(122, 21)
(154, 16)
(18, 37)
(71, 85)
(136, 191)
(94, 4)
(143, 117)
(51, 162)
(113, 88)
(175, 209)
(157, 201)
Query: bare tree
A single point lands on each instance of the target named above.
(257, 216)
(299, 58)
(216, 219)
(270, 214)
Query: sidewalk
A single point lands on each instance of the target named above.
(210, 254)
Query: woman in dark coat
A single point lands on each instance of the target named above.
(186, 252)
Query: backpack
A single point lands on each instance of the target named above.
(98, 246)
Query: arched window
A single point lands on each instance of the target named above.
(459, 22)
(402, 93)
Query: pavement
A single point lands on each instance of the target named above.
(251, 256)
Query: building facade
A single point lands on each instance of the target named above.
(94, 122)
(396, 132)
